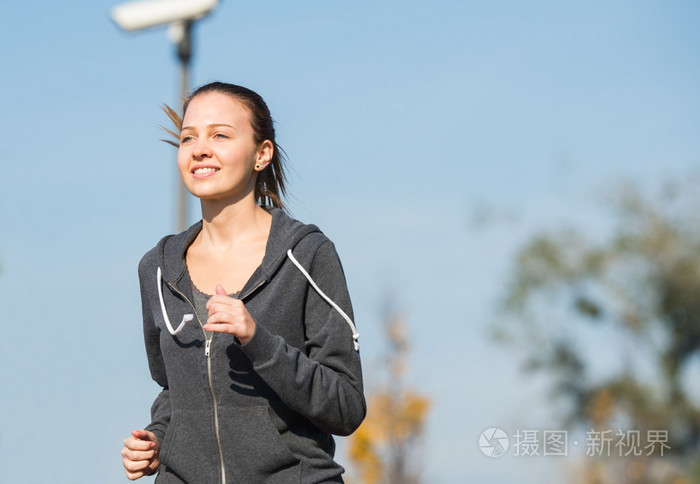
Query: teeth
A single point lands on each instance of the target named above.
(200, 171)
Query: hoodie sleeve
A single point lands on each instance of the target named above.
(324, 383)
(160, 410)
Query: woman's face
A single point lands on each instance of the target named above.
(218, 155)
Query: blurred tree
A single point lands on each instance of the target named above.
(615, 323)
(381, 449)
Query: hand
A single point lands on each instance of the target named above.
(229, 315)
(140, 454)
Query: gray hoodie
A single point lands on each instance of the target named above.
(264, 411)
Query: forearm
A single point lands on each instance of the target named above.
(160, 415)
(327, 390)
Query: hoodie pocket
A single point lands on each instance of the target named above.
(189, 448)
(253, 449)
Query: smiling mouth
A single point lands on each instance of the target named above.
(204, 171)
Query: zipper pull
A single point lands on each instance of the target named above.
(207, 348)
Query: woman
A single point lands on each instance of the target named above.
(245, 318)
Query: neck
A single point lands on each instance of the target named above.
(224, 224)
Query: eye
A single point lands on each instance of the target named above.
(185, 139)
(220, 136)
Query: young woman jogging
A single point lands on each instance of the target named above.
(246, 317)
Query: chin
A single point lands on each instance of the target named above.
(213, 193)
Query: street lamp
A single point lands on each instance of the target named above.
(179, 15)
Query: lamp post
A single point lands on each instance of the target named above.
(180, 16)
(181, 35)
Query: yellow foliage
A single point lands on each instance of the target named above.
(364, 454)
(393, 421)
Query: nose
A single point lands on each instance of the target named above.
(201, 148)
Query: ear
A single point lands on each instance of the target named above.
(264, 155)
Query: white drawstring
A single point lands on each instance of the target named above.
(185, 318)
(355, 334)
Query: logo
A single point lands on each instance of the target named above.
(493, 442)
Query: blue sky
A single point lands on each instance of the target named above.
(403, 121)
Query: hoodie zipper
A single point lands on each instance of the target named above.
(207, 354)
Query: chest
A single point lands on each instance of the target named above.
(277, 304)
(230, 269)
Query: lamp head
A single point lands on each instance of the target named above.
(144, 14)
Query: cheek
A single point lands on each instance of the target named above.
(182, 160)
(233, 156)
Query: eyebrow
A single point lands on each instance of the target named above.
(215, 125)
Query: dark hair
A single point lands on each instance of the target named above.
(270, 184)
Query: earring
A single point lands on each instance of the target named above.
(257, 167)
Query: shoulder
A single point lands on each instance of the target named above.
(315, 242)
(170, 249)
(148, 261)
(289, 233)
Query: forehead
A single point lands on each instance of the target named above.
(216, 108)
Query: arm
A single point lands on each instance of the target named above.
(160, 410)
(140, 455)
